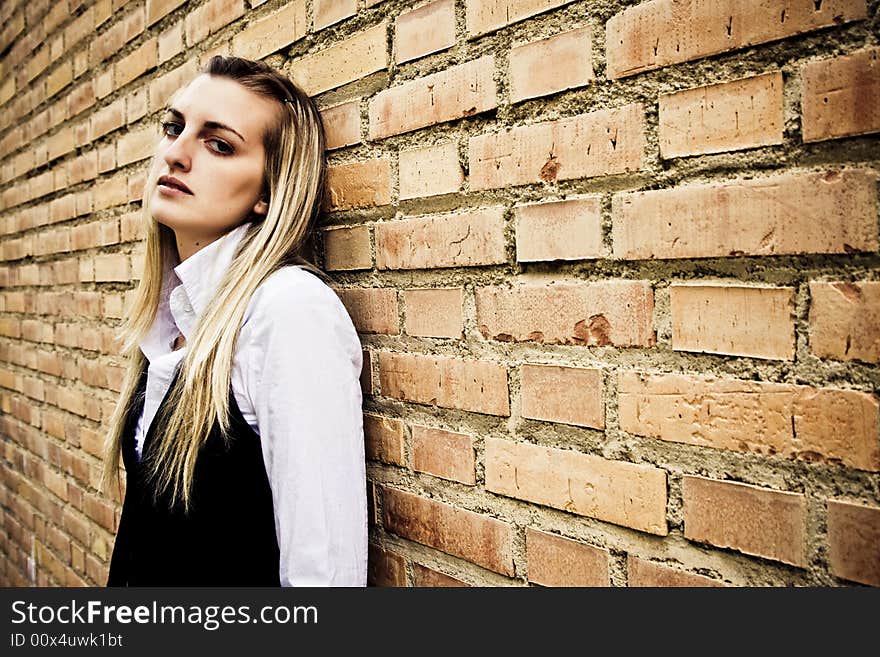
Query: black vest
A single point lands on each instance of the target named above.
(227, 538)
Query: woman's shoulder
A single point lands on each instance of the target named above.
(289, 289)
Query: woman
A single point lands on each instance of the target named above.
(239, 421)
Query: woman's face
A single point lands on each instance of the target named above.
(212, 144)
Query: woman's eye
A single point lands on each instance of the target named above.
(169, 128)
(221, 147)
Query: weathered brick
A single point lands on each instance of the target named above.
(558, 561)
(273, 32)
(443, 240)
(430, 170)
(358, 185)
(424, 30)
(158, 9)
(60, 77)
(479, 539)
(764, 216)
(211, 17)
(346, 61)
(802, 422)
(162, 88)
(444, 454)
(136, 145)
(342, 124)
(138, 62)
(570, 395)
(559, 230)
(384, 438)
(427, 577)
(367, 373)
(488, 15)
(434, 312)
(628, 494)
(661, 32)
(546, 66)
(841, 96)
(386, 568)
(643, 573)
(458, 91)
(601, 313)
(347, 248)
(171, 42)
(328, 12)
(758, 521)
(112, 267)
(471, 385)
(372, 310)
(845, 320)
(731, 116)
(733, 319)
(600, 143)
(854, 541)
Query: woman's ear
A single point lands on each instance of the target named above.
(262, 206)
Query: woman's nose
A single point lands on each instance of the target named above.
(178, 155)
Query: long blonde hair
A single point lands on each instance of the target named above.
(295, 170)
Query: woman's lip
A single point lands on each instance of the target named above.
(168, 190)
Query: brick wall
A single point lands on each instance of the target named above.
(614, 265)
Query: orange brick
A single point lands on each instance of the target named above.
(458, 91)
(488, 15)
(601, 313)
(661, 32)
(479, 539)
(424, 30)
(358, 185)
(730, 116)
(854, 541)
(372, 310)
(328, 12)
(136, 145)
(211, 17)
(384, 439)
(430, 171)
(757, 521)
(347, 248)
(802, 422)
(628, 494)
(845, 320)
(386, 568)
(570, 395)
(158, 9)
(59, 78)
(841, 96)
(442, 240)
(643, 573)
(273, 32)
(346, 61)
(600, 143)
(342, 124)
(546, 66)
(558, 561)
(559, 230)
(445, 454)
(433, 312)
(733, 319)
(765, 216)
(427, 577)
(138, 62)
(471, 385)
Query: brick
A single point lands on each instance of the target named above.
(103, 83)
(358, 185)
(171, 42)
(458, 91)
(158, 9)
(733, 319)
(470, 385)
(479, 539)
(273, 32)
(434, 312)
(627, 494)
(386, 568)
(489, 15)
(558, 561)
(372, 310)
(342, 124)
(570, 395)
(109, 193)
(367, 373)
(136, 145)
(765, 216)
(757, 521)
(654, 34)
(547, 66)
(430, 171)
(384, 438)
(109, 43)
(424, 30)
(845, 320)
(427, 577)
(211, 17)
(601, 313)
(112, 267)
(731, 116)
(138, 62)
(830, 425)
(328, 12)
(445, 454)
(346, 61)
(442, 240)
(162, 88)
(841, 96)
(643, 573)
(347, 248)
(600, 143)
(854, 541)
(59, 78)
(559, 230)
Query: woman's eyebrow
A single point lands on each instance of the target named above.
(208, 124)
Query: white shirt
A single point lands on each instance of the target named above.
(296, 379)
